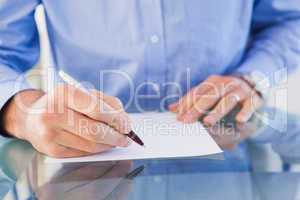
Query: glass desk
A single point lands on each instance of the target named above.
(24, 175)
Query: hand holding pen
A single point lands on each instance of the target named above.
(112, 110)
(68, 121)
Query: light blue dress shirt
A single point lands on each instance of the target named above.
(150, 52)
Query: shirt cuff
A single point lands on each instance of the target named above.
(259, 82)
(262, 71)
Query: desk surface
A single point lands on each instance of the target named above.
(24, 175)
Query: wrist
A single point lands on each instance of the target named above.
(14, 112)
(257, 81)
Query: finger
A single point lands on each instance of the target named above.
(186, 102)
(111, 100)
(249, 107)
(224, 106)
(206, 102)
(70, 140)
(214, 88)
(122, 125)
(58, 151)
(93, 130)
(97, 109)
(219, 85)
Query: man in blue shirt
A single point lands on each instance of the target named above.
(145, 54)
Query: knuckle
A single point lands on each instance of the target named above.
(231, 85)
(117, 101)
(214, 77)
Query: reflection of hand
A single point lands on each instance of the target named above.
(92, 181)
(227, 137)
(68, 122)
(215, 98)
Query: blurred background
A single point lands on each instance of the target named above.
(286, 98)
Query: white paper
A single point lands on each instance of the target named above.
(164, 137)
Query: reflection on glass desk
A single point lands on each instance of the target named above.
(108, 180)
(24, 175)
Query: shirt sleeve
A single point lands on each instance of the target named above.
(19, 45)
(281, 130)
(274, 47)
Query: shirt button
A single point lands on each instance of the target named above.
(156, 87)
(154, 39)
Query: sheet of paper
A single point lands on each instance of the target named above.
(164, 137)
